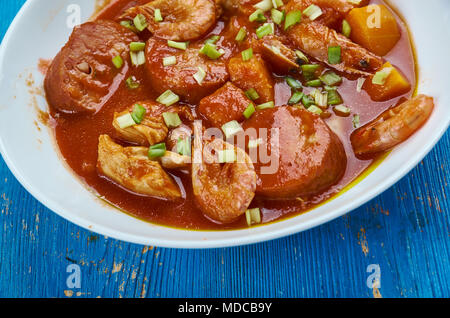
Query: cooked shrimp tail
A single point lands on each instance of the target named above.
(393, 126)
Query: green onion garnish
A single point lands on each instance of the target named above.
(342, 110)
(296, 98)
(292, 18)
(129, 25)
(210, 50)
(265, 29)
(200, 75)
(334, 98)
(330, 78)
(313, 12)
(293, 83)
(309, 70)
(231, 128)
(380, 77)
(334, 55)
(253, 216)
(247, 54)
(168, 98)
(178, 45)
(132, 83)
(157, 151)
(227, 156)
(184, 146)
(169, 60)
(257, 16)
(307, 101)
(138, 113)
(277, 3)
(125, 121)
(277, 16)
(137, 46)
(346, 28)
(172, 120)
(140, 22)
(242, 34)
(117, 61)
(264, 5)
(314, 83)
(266, 106)
(158, 16)
(137, 58)
(213, 39)
(320, 99)
(252, 94)
(315, 110)
(356, 121)
(249, 111)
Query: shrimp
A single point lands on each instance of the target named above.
(131, 168)
(314, 39)
(393, 126)
(333, 10)
(223, 191)
(184, 20)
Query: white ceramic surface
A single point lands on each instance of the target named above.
(37, 32)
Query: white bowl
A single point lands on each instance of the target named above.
(31, 155)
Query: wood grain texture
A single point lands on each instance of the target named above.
(405, 230)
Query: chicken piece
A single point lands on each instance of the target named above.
(152, 129)
(226, 104)
(333, 11)
(183, 20)
(131, 168)
(252, 74)
(314, 39)
(222, 191)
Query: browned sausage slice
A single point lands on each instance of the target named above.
(179, 77)
(311, 157)
(82, 76)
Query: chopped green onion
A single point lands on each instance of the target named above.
(137, 58)
(309, 70)
(334, 98)
(172, 120)
(132, 83)
(210, 50)
(140, 22)
(356, 121)
(231, 128)
(313, 12)
(252, 94)
(247, 54)
(200, 75)
(265, 106)
(117, 61)
(315, 110)
(249, 111)
(334, 55)
(380, 77)
(213, 39)
(296, 98)
(360, 84)
(293, 83)
(253, 216)
(227, 156)
(254, 143)
(292, 18)
(301, 56)
(257, 16)
(242, 34)
(342, 110)
(157, 151)
(168, 98)
(314, 83)
(307, 101)
(169, 60)
(346, 28)
(138, 113)
(137, 46)
(184, 146)
(158, 16)
(277, 16)
(129, 25)
(264, 5)
(178, 45)
(125, 121)
(277, 3)
(320, 99)
(265, 29)
(330, 78)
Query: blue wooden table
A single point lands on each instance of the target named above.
(403, 235)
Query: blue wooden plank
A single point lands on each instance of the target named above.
(404, 230)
